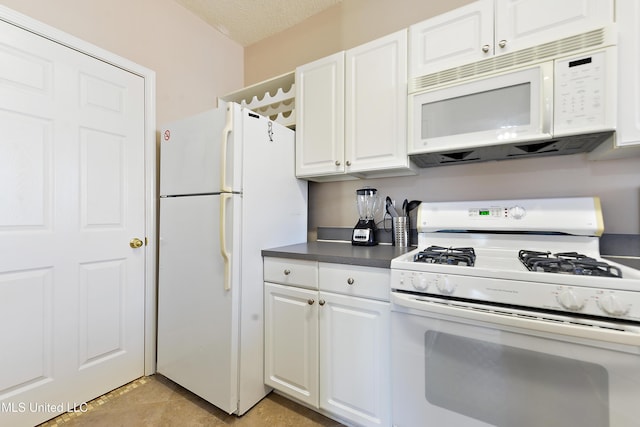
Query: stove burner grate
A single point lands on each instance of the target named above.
(442, 255)
(567, 263)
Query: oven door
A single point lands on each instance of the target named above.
(465, 365)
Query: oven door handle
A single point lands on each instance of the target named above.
(523, 319)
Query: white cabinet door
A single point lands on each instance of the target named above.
(525, 23)
(454, 38)
(354, 359)
(320, 117)
(466, 34)
(291, 341)
(628, 132)
(376, 105)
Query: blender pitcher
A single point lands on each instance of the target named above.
(368, 205)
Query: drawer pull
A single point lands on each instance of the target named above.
(350, 280)
(310, 301)
(321, 302)
(287, 272)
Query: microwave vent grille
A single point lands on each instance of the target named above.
(518, 58)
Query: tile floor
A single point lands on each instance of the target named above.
(156, 401)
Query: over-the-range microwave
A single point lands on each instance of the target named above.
(565, 105)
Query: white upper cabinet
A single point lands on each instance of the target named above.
(454, 38)
(628, 132)
(627, 139)
(376, 105)
(525, 23)
(495, 27)
(351, 112)
(320, 117)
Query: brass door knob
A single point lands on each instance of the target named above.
(136, 243)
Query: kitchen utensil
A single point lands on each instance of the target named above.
(391, 210)
(412, 205)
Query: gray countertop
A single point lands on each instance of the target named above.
(339, 253)
(342, 252)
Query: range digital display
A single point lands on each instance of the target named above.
(484, 212)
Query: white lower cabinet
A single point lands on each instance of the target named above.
(329, 348)
(291, 341)
(354, 359)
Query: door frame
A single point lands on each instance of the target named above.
(39, 28)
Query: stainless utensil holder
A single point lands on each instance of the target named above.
(400, 231)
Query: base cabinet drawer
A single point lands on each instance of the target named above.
(357, 281)
(294, 272)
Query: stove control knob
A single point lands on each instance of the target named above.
(420, 282)
(517, 212)
(444, 285)
(569, 300)
(611, 305)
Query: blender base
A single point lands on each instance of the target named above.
(364, 233)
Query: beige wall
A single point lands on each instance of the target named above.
(616, 182)
(194, 63)
(348, 24)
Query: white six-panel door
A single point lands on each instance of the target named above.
(72, 197)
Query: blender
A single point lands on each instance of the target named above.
(368, 205)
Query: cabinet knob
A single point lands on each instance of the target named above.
(348, 163)
(321, 302)
(287, 272)
(486, 48)
(350, 280)
(502, 43)
(337, 162)
(310, 301)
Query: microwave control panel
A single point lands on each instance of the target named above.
(583, 93)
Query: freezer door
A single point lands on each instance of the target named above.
(190, 154)
(197, 312)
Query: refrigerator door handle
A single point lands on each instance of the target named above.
(226, 255)
(226, 131)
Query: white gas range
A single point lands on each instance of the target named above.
(541, 253)
(506, 314)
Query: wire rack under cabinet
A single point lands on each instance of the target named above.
(274, 98)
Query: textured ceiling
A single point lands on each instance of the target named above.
(249, 21)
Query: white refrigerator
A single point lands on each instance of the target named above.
(227, 191)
